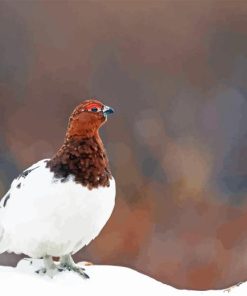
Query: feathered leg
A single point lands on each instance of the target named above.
(67, 263)
(49, 268)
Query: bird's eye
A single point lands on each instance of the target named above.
(94, 109)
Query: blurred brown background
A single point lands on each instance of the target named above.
(176, 72)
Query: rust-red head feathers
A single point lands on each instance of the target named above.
(87, 118)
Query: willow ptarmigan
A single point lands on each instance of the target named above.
(58, 205)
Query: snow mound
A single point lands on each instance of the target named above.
(104, 280)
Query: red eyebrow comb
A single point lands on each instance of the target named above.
(93, 105)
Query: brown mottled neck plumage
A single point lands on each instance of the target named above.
(83, 158)
(82, 155)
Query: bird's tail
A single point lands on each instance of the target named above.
(2, 243)
(1, 234)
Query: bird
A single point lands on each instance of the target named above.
(60, 204)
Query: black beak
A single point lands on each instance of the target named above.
(107, 110)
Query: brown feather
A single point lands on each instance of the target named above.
(82, 153)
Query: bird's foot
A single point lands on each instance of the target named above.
(51, 272)
(73, 267)
(67, 263)
(49, 268)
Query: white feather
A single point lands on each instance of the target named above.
(45, 216)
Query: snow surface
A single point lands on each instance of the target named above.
(104, 280)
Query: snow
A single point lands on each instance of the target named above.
(104, 280)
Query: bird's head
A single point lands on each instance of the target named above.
(87, 118)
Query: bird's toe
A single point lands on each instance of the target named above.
(77, 269)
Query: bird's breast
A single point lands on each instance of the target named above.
(57, 216)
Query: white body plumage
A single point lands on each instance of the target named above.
(40, 215)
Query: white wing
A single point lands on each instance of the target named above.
(20, 181)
